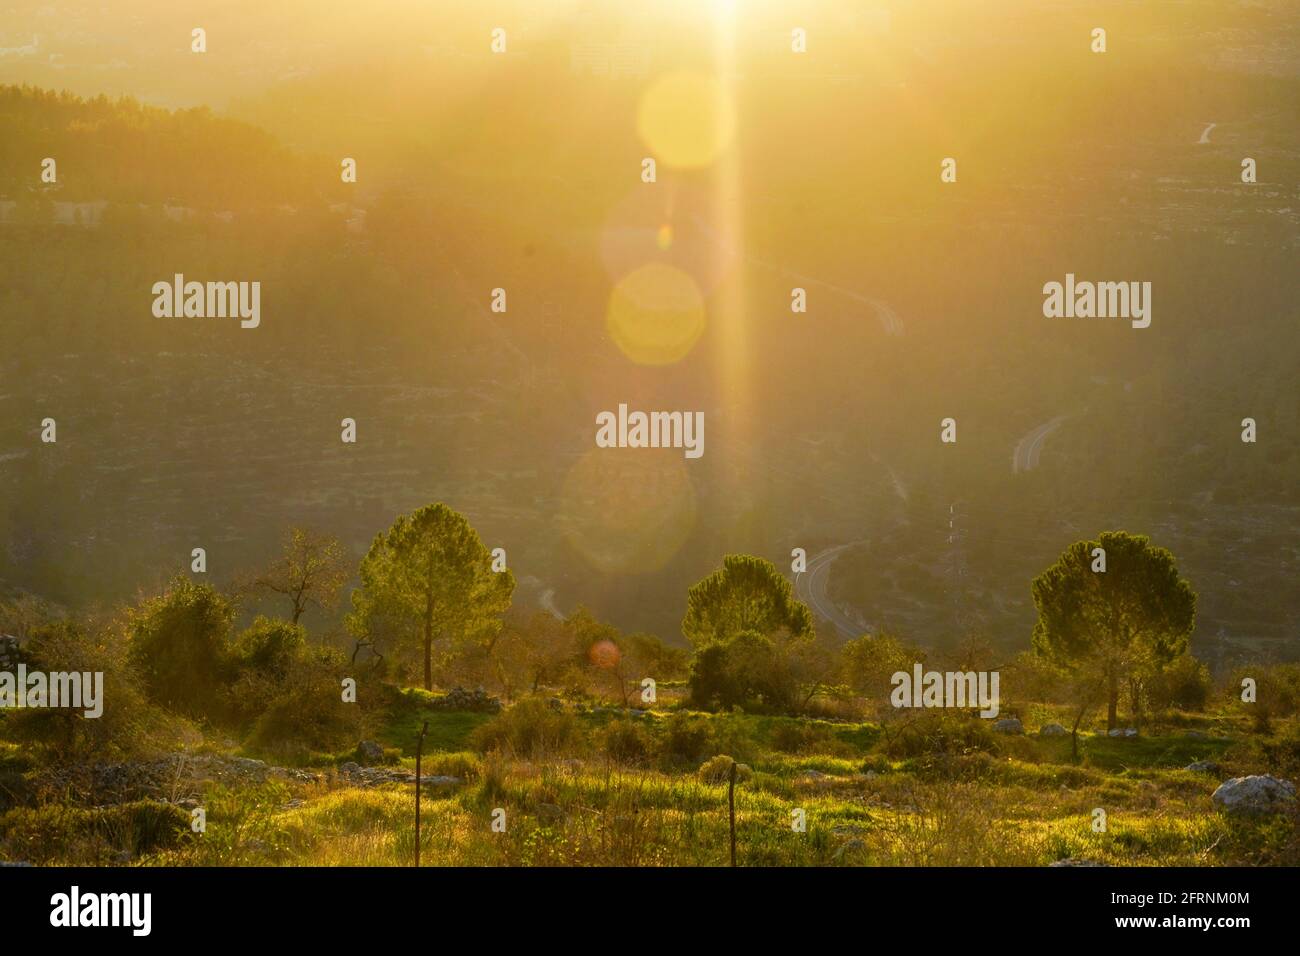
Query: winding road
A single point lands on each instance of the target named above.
(810, 587)
(1025, 456)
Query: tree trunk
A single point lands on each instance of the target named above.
(428, 641)
(1135, 703)
(1112, 708)
(1074, 732)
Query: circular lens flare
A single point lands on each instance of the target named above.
(655, 314)
(627, 511)
(686, 119)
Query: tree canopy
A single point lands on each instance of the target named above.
(1136, 615)
(746, 594)
(429, 579)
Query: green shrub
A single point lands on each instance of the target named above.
(718, 770)
(625, 741)
(686, 738)
(1185, 684)
(796, 737)
(529, 729)
(467, 766)
(690, 738)
(745, 670)
(128, 725)
(179, 643)
(938, 733)
(242, 825)
(64, 834)
(308, 714)
(268, 647)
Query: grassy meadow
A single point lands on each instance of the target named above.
(600, 787)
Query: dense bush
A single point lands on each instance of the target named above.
(800, 737)
(718, 770)
(625, 741)
(531, 728)
(1185, 684)
(686, 738)
(258, 666)
(268, 646)
(746, 670)
(467, 766)
(127, 726)
(690, 738)
(938, 733)
(64, 834)
(179, 642)
(308, 712)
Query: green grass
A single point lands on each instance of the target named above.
(1020, 801)
(448, 730)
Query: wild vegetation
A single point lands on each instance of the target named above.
(571, 757)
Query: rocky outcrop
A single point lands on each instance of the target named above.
(359, 776)
(477, 700)
(172, 777)
(1254, 795)
(8, 652)
(1075, 861)
(1009, 725)
(1052, 730)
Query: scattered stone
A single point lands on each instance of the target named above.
(1196, 735)
(439, 780)
(174, 777)
(1052, 730)
(1122, 732)
(477, 700)
(1076, 861)
(370, 753)
(1203, 766)
(1257, 794)
(9, 656)
(359, 776)
(1008, 725)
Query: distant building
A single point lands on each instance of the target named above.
(80, 213)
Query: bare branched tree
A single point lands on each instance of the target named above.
(310, 571)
